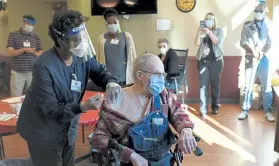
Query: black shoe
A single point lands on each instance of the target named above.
(215, 111)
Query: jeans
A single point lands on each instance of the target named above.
(262, 70)
(210, 71)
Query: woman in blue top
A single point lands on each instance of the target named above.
(49, 116)
(210, 62)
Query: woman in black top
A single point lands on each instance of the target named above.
(210, 39)
(170, 61)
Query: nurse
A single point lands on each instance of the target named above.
(49, 116)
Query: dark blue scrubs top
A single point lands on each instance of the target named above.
(50, 112)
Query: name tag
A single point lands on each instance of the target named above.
(158, 121)
(76, 85)
(114, 41)
(26, 44)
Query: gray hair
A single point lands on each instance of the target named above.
(260, 5)
(163, 40)
(143, 62)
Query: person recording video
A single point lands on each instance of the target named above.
(210, 39)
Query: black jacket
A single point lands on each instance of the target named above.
(49, 114)
(171, 63)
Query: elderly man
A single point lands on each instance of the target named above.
(24, 46)
(255, 39)
(140, 121)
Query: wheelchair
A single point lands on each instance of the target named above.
(110, 158)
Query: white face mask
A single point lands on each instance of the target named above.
(113, 28)
(163, 50)
(209, 23)
(259, 16)
(80, 50)
(28, 28)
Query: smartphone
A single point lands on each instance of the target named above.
(202, 23)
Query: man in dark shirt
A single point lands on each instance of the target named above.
(49, 116)
(24, 46)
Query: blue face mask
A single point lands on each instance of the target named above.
(157, 84)
(209, 23)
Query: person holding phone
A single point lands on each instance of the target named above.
(210, 39)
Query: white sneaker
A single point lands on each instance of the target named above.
(243, 115)
(269, 117)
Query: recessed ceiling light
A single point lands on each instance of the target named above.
(108, 3)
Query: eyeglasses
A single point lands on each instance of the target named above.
(156, 74)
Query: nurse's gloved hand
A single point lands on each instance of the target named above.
(92, 103)
(113, 93)
(137, 160)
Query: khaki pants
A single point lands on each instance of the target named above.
(20, 82)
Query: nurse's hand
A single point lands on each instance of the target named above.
(137, 160)
(113, 93)
(92, 103)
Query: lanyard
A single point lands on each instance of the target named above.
(259, 30)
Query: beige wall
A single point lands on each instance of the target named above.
(4, 29)
(40, 10)
(230, 15)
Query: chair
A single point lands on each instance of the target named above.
(182, 66)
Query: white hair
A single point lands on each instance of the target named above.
(143, 62)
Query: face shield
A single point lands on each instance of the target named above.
(78, 42)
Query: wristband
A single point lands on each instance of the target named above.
(82, 108)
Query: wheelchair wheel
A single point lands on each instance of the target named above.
(177, 160)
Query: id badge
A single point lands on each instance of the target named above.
(26, 44)
(114, 41)
(76, 85)
(158, 121)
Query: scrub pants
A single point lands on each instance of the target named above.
(262, 69)
(210, 71)
(42, 156)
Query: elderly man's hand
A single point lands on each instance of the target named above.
(113, 93)
(186, 141)
(137, 160)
